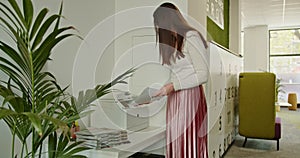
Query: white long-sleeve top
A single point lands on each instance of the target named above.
(192, 70)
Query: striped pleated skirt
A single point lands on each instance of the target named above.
(186, 128)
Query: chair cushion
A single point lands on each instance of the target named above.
(277, 128)
(257, 105)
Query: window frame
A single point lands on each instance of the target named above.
(280, 55)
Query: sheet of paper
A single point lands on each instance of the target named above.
(145, 97)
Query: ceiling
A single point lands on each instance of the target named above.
(274, 13)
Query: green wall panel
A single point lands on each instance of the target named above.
(215, 33)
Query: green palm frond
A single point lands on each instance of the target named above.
(34, 106)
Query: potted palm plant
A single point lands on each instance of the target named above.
(278, 89)
(34, 107)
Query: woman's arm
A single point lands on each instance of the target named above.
(165, 90)
(199, 56)
(197, 63)
(190, 71)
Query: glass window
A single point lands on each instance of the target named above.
(285, 42)
(285, 60)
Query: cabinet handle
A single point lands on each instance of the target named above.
(220, 123)
(220, 150)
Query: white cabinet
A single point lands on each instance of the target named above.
(222, 92)
(140, 141)
(111, 115)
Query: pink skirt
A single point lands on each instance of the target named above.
(186, 129)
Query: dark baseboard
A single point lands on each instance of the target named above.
(145, 155)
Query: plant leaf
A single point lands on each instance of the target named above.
(56, 122)
(39, 64)
(42, 53)
(28, 12)
(75, 151)
(17, 10)
(45, 26)
(62, 144)
(19, 80)
(59, 13)
(38, 22)
(11, 14)
(78, 156)
(14, 56)
(5, 112)
(52, 142)
(36, 121)
(72, 145)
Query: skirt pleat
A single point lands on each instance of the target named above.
(186, 129)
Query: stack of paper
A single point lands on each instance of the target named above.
(99, 138)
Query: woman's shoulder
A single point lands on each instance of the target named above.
(194, 37)
(192, 33)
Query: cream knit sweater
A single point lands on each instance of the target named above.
(192, 70)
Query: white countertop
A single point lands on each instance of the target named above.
(293, 83)
(138, 141)
(283, 104)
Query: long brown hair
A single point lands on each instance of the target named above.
(171, 29)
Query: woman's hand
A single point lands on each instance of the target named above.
(165, 90)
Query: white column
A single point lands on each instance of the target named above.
(256, 47)
(197, 10)
(235, 26)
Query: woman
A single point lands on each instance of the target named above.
(183, 49)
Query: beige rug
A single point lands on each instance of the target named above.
(292, 117)
(258, 148)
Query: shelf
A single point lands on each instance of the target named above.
(283, 104)
(290, 83)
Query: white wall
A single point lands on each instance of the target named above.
(84, 16)
(197, 11)
(235, 26)
(5, 140)
(256, 50)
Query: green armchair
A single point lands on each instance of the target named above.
(257, 116)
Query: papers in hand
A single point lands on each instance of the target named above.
(145, 97)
